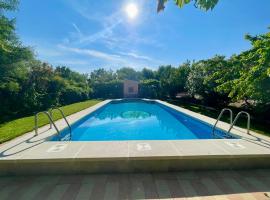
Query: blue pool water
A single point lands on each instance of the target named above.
(137, 120)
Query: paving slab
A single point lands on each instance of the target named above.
(242, 147)
(152, 149)
(108, 150)
(195, 148)
(54, 150)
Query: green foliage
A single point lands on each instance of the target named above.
(167, 75)
(32, 85)
(148, 74)
(195, 79)
(74, 87)
(202, 80)
(201, 4)
(26, 84)
(244, 77)
(164, 74)
(167, 81)
(127, 73)
(105, 84)
(11, 51)
(101, 75)
(248, 78)
(8, 5)
(181, 75)
(149, 88)
(112, 89)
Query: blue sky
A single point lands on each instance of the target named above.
(88, 34)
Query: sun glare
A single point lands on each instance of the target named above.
(131, 10)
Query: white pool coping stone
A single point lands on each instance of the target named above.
(29, 154)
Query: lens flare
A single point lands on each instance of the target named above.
(131, 10)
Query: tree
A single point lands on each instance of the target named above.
(101, 75)
(251, 70)
(202, 80)
(149, 88)
(195, 78)
(202, 4)
(13, 56)
(166, 76)
(127, 73)
(110, 89)
(148, 74)
(181, 76)
(74, 88)
(11, 50)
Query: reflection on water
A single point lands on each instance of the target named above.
(135, 114)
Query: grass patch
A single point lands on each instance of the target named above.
(17, 127)
(256, 124)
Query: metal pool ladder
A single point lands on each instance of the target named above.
(50, 117)
(236, 118)
(232, 122)
(219, 117)
(64, 117)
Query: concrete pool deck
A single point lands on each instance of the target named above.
(31, 154)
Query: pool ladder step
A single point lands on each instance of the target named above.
(49, 114)
(232, 122)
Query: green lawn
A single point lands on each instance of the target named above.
(17, 127)
(256, 124)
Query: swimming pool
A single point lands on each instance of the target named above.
(137, 120)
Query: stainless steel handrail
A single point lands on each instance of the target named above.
(63, 115)
(50, 119)
(236, 118)
(219, 117)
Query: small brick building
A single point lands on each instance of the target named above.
(131, 89)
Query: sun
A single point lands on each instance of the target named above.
(131, 10)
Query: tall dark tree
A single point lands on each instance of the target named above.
(148, 74)
(127, 73)
(13, 55)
